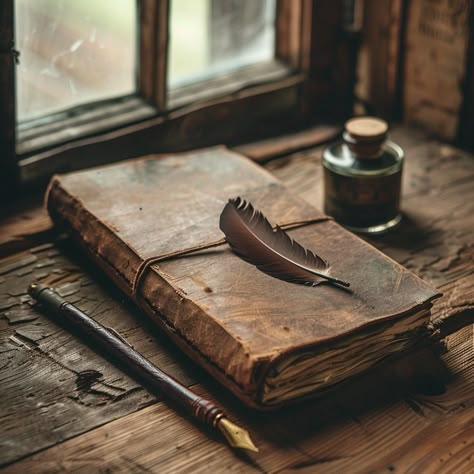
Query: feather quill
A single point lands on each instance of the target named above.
(272, 251)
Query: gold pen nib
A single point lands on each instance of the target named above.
(236, 436)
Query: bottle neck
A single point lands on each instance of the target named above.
(364, 149)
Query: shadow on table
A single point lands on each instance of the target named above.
(407, 235)
(418, 374)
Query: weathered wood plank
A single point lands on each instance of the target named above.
(466, 125)
(458, 294)
(61, 390)
(50, 380)
(153, 51)
(23, 226)
(293, 33)
(380, 57)
(355, 430)
(436, 42)
(61, 386)
(219, 120)
(271, 148)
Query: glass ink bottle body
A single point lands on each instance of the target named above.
(362, 177)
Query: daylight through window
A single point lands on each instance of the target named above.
(72, 53)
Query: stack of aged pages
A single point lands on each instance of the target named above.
(269, 341)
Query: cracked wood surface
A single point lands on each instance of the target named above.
(373, 425)
(76, 411)
(48, 376)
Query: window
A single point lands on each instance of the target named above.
(73, 53)
(111, 79)
(212, 37)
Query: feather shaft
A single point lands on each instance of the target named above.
(273, 251)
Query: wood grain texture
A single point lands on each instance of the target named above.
(153, 51)
(223, 85)
(412, 416)
(331, 63)
(394, 427)
(67, 388)
(24, 225)
(292, 19)
(89, 120)
(466, 125)
(275, 147)
(380, 55)
(437, 35)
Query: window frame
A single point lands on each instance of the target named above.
(311, 50)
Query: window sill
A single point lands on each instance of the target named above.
(87, 120)
(228, 83)
(248, 103)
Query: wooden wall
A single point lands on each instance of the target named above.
(414, 64)
(435, 64)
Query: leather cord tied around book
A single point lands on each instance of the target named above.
(147, 262)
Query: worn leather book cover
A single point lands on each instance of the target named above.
(269, 341)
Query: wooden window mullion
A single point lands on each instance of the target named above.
(153, 51)
(292, 31)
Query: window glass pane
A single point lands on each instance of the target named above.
(209, 37)
(73, 52)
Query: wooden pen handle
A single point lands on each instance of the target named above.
(138, 367)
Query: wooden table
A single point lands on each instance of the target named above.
(65, 408)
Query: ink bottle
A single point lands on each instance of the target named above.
(362, 177)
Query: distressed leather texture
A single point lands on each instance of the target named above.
(224, 313)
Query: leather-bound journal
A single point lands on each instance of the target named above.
(269, 341)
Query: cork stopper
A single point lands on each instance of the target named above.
(365, 136)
